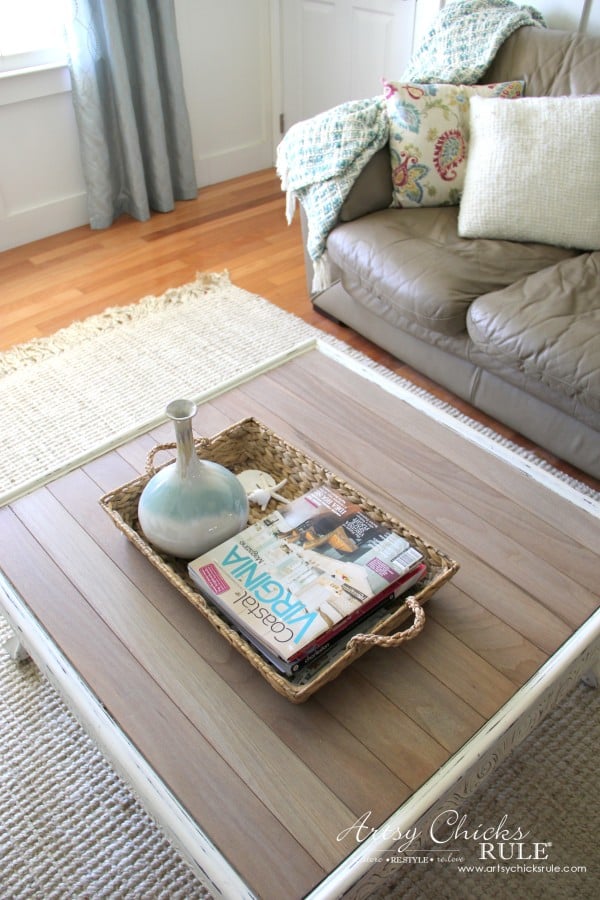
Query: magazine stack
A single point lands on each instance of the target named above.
(297, 581)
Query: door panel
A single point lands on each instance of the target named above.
(226, 59)
(338, 50)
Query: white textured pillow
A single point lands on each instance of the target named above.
(533, 171)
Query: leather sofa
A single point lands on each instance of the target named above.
(512, 327)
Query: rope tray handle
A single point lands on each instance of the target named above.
(393, 640)
(151, 469)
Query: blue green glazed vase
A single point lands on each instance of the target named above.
(190, 506)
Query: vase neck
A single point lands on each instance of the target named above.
(181, 412)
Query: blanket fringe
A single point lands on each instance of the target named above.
(290, 206)
(322, 277)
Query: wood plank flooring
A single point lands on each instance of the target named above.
(238, 225)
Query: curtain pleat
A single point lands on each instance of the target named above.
(128, 95)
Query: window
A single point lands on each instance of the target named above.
(31, 33)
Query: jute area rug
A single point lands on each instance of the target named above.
(69, 827)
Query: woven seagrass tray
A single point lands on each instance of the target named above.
(250, 445)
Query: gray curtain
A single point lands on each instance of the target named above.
(129, 101)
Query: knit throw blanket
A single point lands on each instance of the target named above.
(318, 162)
(319, 159)
(465, 38)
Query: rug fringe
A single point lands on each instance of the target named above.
(38, 349)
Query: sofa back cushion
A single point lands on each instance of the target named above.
(551, 63)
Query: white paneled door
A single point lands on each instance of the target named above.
(338, 50)
(227, 56)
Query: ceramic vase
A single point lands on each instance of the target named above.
(189, 507)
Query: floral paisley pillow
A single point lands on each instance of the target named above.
(429, 137)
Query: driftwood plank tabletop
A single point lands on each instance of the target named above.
(274, 786)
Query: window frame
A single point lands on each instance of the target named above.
(40, 55)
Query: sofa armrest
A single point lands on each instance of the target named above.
(372, 190)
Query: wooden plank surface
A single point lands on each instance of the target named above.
(274, 784)
(196, 773)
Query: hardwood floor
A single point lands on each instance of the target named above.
(238, 225)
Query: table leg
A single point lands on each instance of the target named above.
(592, 677)
(16, 649)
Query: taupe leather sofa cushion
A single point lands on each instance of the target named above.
(417, 270)
(552, 63)
(546, 328)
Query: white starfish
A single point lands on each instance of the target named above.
(262, 496)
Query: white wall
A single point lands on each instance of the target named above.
(41, 182)
(229, 54)
(558, 14)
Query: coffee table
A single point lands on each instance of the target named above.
(270, 799)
